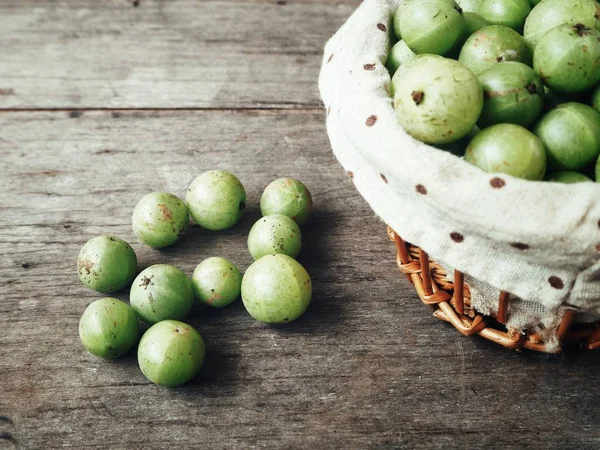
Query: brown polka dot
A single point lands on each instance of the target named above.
(598, 247)
(457, 237)
(519, 246)
(556, 282)
(350, 174)
(383, 177)
(369, 66)
(599, 224)
(371, 120)
(421, 189)
(330, 58)
(497, 183)
(382, 27)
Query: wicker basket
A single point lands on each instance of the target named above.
(503, 233)
(452, 303)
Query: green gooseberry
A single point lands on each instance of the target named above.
(289, 197)
(508, 148)
(276, 289)
(533, 3)
(437, 100)
(108, 328)
(513, 93)
(432, 26)
(399, 54)
(571, 135)
(160, 219)
(494, 44)
(510, 13)
(596, 98)
(275, 233)
(473, 23)
(597, 172)
(106, 264)
(216, 199)
(470, 6)
(161, 292)
(171, 353)
(550, 14)
(566, 176)
(217, 282)
(568, 58)
(402, 7)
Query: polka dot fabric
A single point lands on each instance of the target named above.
(538, 241)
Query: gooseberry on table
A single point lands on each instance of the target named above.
(161, 292)
(276, 289)
(216, 282)
(160, 219)
(108, 328)
(216, 199)
(171, 353)
(106, 264)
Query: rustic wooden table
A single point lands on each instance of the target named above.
(104, 101)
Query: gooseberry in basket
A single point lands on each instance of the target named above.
(513, 93)
(275, 233)
(160, 219)
(510, 149)
(108, 328)
(171, 353)
(399, 54)
(470, 5)
(161, 292)
(276, 289)
(432, 26)
(289, 197)
(473, 23)
(404, 4)
(571, 135)
(216, 199)
(510, 13)
(216, 282)
(492, 45)
(566, 176)
(550, 14)
(437, 100)
(568, 58)
(106, 264)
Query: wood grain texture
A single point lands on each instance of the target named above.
(366, 367)
(164, 54)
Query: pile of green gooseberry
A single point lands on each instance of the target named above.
(513, 86)
(275, 288)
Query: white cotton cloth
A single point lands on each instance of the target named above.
(538, 241)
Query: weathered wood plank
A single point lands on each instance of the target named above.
(366, 367)
(164, 54)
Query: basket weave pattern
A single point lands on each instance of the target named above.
(452, 303)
